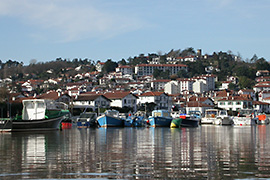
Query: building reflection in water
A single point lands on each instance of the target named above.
(213, 152)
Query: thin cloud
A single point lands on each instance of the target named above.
(68, 22)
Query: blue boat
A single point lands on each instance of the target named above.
(134, 121)
(160, 118)
(110, 119)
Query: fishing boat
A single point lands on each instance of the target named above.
(110, 119)
(210, 116)
(187, 120)
(38, 114)
(160, 118)
(223, 118)
(134, 121)
(87, 119)
(244, 118)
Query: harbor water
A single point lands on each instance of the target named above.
(205, 152)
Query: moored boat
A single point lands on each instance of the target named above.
(87, 119)
(210, 116)
(38, 114)
(160, 118)
(223, 118)
(244, 118)
(134, 121)
(110, 119)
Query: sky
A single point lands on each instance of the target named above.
(105, 29)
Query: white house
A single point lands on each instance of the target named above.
(122, 99)
(262, 86)
(92, 101)
(125, 69)
(99, 66)
(261, 107)
(235, 103)
(161, 99)
(248, 92)
(159, 84)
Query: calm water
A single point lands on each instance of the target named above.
(206, 152)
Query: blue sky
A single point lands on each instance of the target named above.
(115, 29)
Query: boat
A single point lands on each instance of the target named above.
(223, 118)
(210, 116)
(262, 119)
(5, 124)
(245, 117)
(134, 121)
(160, 118)
(110, 119)
(87, 119)
(187, 120)
(37, 115)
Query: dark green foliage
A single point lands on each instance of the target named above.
(109, 66)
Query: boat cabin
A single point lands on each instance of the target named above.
(160, 113)
(36, 109)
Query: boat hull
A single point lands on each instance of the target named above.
(243, 121)
(207, 120)
(188, 122)
(36, 125)
(160, 121)
(109, 121)
(5, 125)
(225, 121)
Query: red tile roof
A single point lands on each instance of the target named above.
(152, 93)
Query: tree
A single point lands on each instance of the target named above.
(233, 86)
(245, 82)
(122, 62)
(254, 58)
(109, 66)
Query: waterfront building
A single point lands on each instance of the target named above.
(235, 103)
(261, 107)
(92, 101)
(122, 99)
(161, 99)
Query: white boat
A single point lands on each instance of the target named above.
(217, 117)
(210, 116)
(244, 118)
(223, 118)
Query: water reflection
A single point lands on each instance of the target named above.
(206, 152)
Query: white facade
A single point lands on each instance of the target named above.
(148, 69)
(172, 87)
(91, 101)
(235, 104)
(162, 100)
(125, 69)
(199, 86)
(185, 85)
